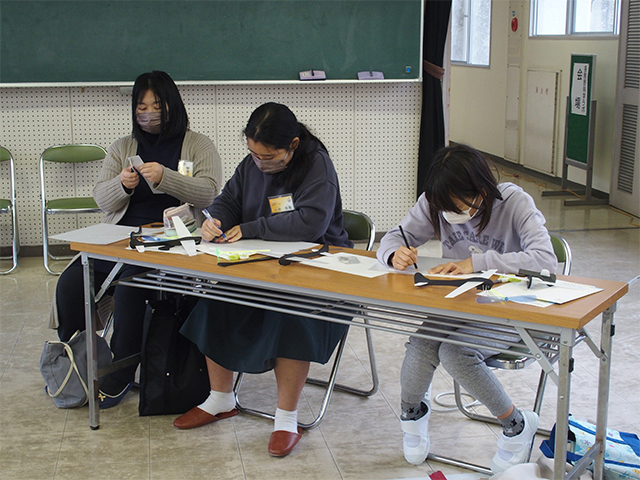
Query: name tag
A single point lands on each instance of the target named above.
(185, 167)
(281, 203)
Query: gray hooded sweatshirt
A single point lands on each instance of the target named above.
(515, 237)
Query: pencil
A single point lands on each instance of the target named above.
(406, 242)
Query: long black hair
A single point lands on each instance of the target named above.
(275, 125)
(174, 118)
(461, 172)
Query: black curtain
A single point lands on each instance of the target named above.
(436, 24)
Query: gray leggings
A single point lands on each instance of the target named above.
(464, 364)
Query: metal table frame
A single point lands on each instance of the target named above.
(545, 342)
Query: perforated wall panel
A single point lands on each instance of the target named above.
(326, 109)
(32, 120)
(386, 151)
(370, 130)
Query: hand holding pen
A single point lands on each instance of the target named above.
(402, 258)
(215, 223)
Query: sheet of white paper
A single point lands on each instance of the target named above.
(251, 245)
(135, 162)
(177, 249)
(533, 303)
(183, 231)
(350, 263)
(100, 234)
(427, 263)
(561, 292)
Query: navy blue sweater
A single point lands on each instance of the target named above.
(317, 214)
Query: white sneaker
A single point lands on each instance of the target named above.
(415, 443)
(514, 450)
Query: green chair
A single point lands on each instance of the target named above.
(507, 361)
(8, 205)
(563, 253)
(359, 228)
(65, 154)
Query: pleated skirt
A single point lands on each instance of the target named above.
(248, 339)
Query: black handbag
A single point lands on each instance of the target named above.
(173, 372)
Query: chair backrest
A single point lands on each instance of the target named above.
(359, 227)
(74, 153)
(5, 156)
(563, 252)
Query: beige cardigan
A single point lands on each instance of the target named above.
(199, 190)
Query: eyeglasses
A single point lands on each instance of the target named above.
(269, 157)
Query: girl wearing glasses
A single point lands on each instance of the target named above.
(285, 189)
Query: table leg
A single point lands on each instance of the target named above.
(603, 388)
(90, 315)
(567, 340)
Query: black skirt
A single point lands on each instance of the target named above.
(248, 339)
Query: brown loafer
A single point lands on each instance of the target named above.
(197, 417)
(282, 442)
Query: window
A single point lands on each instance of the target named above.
(574, 17)
(471, 32)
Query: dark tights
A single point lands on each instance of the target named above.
(130, 306)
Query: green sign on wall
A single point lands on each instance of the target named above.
(578, 116)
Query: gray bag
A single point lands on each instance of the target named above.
(64, 368)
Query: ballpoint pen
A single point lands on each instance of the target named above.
(210, 218)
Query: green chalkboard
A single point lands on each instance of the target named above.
(579, 114)
(207, 40)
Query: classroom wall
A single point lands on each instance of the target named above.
(371, 131)
(478, 95)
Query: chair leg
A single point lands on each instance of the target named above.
(107, 326)
(46, 254)
(325, 400)
(45, 244)
(537, 406)
(372, 364)
(15, 244)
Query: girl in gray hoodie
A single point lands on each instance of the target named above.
(486, 225)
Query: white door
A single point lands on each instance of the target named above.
(625, 178)
(540, 121)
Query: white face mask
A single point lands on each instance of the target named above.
(459, 218)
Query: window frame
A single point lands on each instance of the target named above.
(466, 63)
(569, 26)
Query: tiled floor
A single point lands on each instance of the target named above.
(359, 438)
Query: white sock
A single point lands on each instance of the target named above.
(218, 402)
(286, 420)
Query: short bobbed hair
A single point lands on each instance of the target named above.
(460, 172)
(174, 118)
